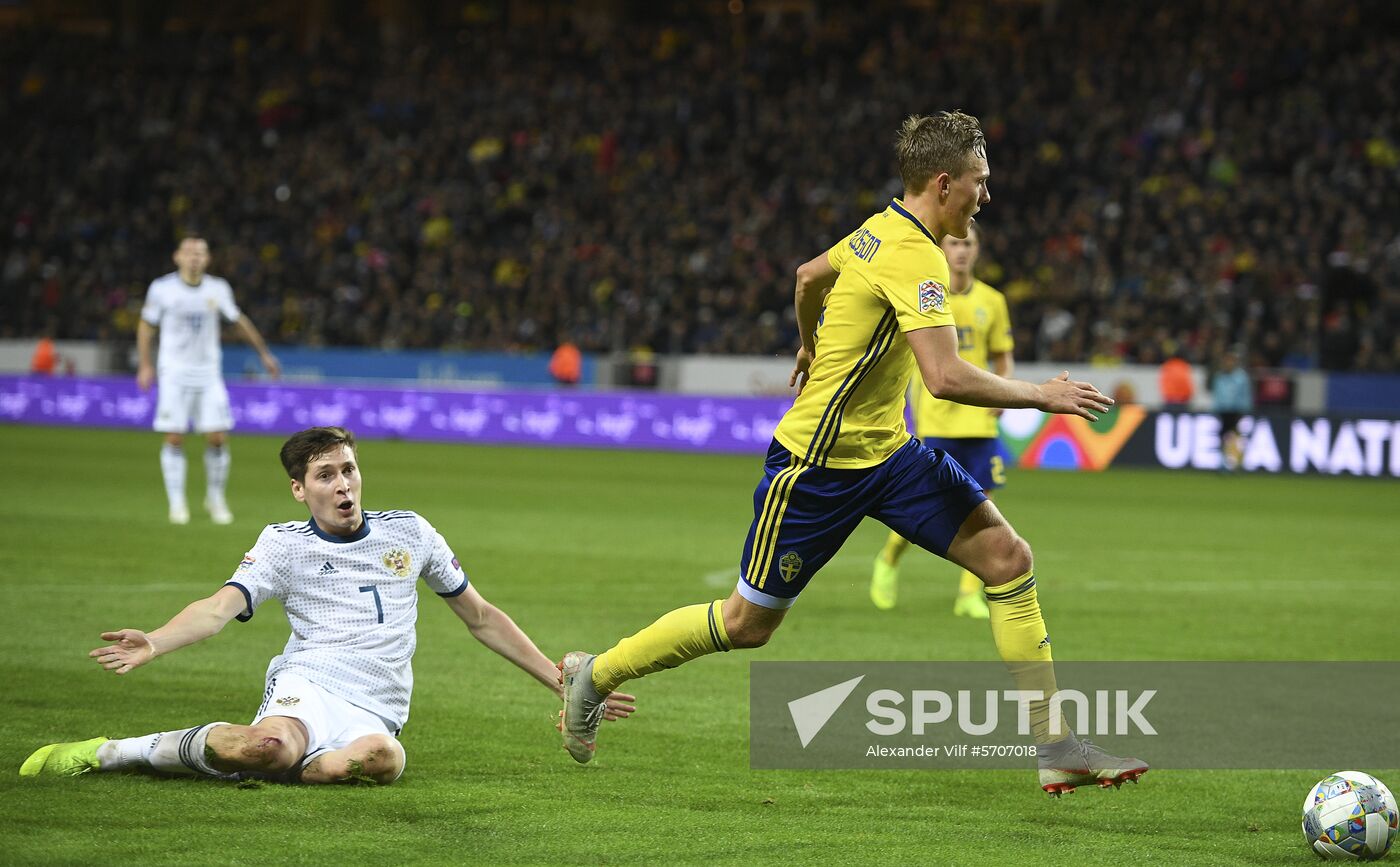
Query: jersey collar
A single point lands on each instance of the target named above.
(898, 207)
(357, 536)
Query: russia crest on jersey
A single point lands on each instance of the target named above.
(398, 561)
(931, 296)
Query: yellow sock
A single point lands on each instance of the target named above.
(895, 546)
(969, 583)
(677, 637)
(1019, 631)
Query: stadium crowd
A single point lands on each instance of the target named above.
(1172, 178)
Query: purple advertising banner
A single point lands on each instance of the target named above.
(609, 420)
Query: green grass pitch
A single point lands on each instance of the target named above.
(583, 547)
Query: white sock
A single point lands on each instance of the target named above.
(177, 752)
(216, 462)
(125, 754)
(172, 466)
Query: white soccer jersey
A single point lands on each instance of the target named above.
(188, 319)
(352, 602)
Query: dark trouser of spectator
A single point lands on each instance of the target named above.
(1231, 449)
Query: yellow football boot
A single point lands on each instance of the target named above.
(63, 760)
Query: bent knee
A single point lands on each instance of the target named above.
(373, 758)
(259, 749)
(1011, 561)
(747, 625)
(750, 635)
(379, 757)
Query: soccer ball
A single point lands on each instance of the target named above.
(1350, 816)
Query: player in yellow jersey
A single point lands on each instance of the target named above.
(967, 433)
(872, 310)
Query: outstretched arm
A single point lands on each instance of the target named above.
(133, 648)
(947, 376)
(1002, 365)
(494, 628)
(250, 332)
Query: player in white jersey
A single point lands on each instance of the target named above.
(338, 694)
(186, 306)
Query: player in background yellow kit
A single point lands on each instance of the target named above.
(967, 433)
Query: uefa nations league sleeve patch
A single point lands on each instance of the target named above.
(931, 296)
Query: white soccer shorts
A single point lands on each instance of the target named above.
(204, 406)
(332, 723)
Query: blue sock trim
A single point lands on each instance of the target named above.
(1019, 590)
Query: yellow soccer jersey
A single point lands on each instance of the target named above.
(893, 278)
(984, 328)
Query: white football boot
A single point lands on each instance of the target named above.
(584, 706)
(1065, 765)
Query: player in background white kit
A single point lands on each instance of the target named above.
(186, 306)
(338, 694)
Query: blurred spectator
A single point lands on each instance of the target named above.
(1175, 383)
(566, 365)
(45, 359)
(1163, 175)
(1232, 398)
(641, 368)
(1273, 388)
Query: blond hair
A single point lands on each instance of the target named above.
(929, 145)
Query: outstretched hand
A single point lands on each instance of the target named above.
(1065, 396)
(132, 649)
(619, 706)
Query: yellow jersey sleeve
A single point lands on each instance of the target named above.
(914, 281)
(984, 329)
(836, 257)
(999, 337)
